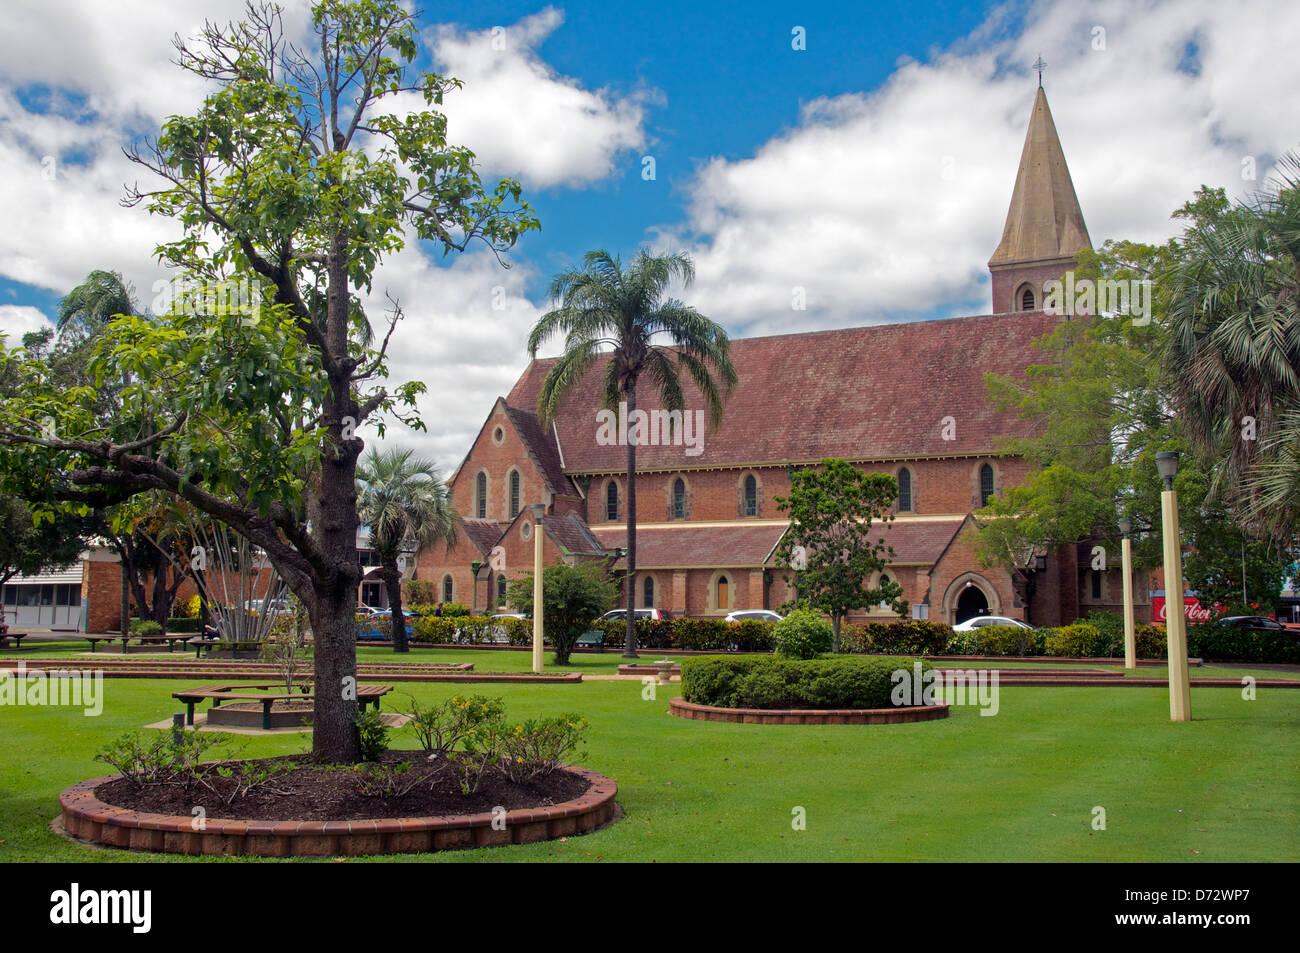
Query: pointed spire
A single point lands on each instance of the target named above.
(1044, 220)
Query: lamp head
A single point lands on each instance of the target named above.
(538, 510)
(475, 566)
(1167, 466)
(1125, 526)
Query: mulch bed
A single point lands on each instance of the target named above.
(328, 792)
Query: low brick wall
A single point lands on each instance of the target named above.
(88, 818)
(807, 716)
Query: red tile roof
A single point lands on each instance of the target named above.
(573, 535)
(540, 444)
(689, 544)
(856, 393)
(483, 533)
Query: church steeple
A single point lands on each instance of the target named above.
(1044, 228)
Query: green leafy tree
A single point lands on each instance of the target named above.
(28, 549)
(404, 501)
(572, 598)
(1233, 351)
(619, 316)
(251, 412)
(829, 540)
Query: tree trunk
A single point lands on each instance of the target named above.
(333, 605)
(629, 577)
(835, 626)
(393, 583)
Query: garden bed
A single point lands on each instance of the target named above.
(808, 716)
(324, 814)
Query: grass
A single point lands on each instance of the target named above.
(1019, 786)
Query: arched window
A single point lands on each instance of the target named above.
(501, 588)
(679, 499)
(724, 593)
(514, 493)
(648, 591)
(986, 484)
(611, 500)
(751, 496)
(904, 489)
(1027, 300)
(447, 589)
(480, 503)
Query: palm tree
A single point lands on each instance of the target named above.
(404, 501)
(622, 317)
(85, 310)
(1234, 348)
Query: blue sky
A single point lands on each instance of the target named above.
(872, 169)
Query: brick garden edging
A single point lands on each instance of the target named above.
(807, 716)
(89, 819)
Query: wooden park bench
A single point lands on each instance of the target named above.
(593, 639)
(366, 695)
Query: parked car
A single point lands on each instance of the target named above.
(1256, 623)
(758, 615)
(640, 614)
(970, 625)
(369, 631)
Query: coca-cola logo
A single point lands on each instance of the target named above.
(1193, 611)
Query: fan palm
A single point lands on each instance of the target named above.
(404, 501)
(620, 316)
(1233, 352)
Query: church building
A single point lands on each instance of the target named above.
(906, 399)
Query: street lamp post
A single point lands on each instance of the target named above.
(1180, 703)
(474, 567)
(538, 511)
(1130, 635)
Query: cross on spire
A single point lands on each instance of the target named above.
(1040, 66)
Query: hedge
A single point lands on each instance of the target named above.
(184, 624)
(765, 681)
(1230, 644)
(699, 635)
(907, 637)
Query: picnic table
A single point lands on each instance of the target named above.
(254, 646)
(16, 636)
(171, 640)
(366, 695)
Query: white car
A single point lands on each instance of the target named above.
(970, 625)
(758, 615)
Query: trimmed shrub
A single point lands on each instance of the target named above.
(145, 627)
(768, 681)
(1009, 640)
(518, 631)
(904, 637)
(184, 624)
(1151, 640)
(454, 609)
(1080, 640)
(803, 635)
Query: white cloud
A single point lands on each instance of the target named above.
(521, 117)
(887, 204)
(17, 320)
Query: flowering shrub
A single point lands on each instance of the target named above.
(538, 746)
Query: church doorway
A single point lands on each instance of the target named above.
(971, 603)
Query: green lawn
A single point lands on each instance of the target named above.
(1018, 786)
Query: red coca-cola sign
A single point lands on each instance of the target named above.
(1193, 611)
